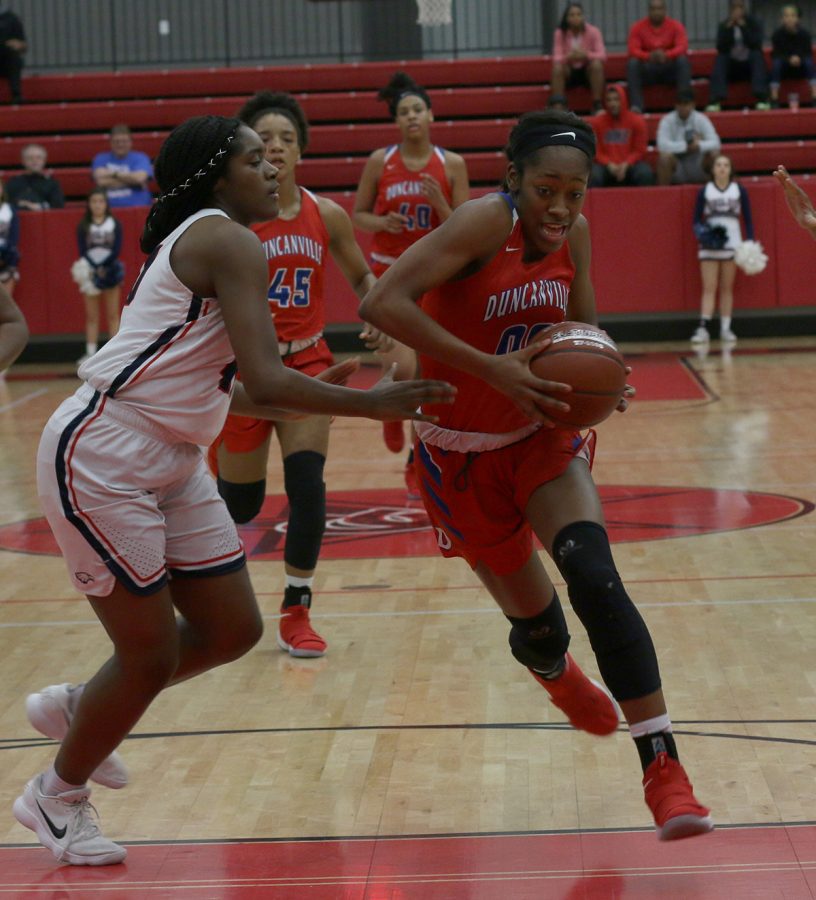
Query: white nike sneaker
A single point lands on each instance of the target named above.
(65, 825)
(49, 711)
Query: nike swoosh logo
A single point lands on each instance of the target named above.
(59, 833)
(511, 249)
(565, 134)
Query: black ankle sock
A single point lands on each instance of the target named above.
(297, 596)
(650, 745)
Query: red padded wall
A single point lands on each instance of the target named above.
(644, 257)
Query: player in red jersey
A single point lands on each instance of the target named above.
(405, 191)
(296, 244)
(495, 470)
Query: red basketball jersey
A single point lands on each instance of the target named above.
(296, 255)
(499, 309)
(400, 190)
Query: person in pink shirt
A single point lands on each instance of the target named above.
(658, 54)
(578, 56)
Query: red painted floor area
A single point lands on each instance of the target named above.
(761, 862)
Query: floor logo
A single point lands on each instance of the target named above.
(377, 523)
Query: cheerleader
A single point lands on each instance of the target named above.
(717, 225)
(98, 271)
(9, 236)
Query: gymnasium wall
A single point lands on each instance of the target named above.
(644, 258)
(119, 34)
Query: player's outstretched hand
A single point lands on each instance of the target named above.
(339, 373)
(800, 205)
(533, 396)
(402, 399)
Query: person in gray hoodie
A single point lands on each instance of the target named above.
(687, 143)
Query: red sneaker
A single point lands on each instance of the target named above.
(587, 704)
(296, 635)
(670, 797)
(394, 435)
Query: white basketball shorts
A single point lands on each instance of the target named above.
(127, 504)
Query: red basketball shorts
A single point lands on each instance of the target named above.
(241, 434)
(476, 501)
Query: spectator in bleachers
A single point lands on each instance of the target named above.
(791, 53)
(578, 56)
(99, 238)
(622, 142)
(122, 171)
(12, 47)
(658, 54)
(9, 237)
(687, 143)
(739, 57)
(34, 189)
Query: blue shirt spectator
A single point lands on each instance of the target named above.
(122, 171)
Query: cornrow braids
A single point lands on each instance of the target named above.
(191, 160)
(265, 102)
(402, 85)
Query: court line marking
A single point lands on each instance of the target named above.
(24, 399)
(479, 610)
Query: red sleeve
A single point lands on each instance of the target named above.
(640, 143)
(680, 45)
(636, 42)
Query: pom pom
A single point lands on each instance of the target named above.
(711, 237)
(750, 257)
(82, 273)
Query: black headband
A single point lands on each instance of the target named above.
(555, 136)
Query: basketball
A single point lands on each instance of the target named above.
(586, 358)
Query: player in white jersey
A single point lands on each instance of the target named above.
(123, 480)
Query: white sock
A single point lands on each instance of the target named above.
(52, 784)
(725, 323)
(90, 348)
(650, 726)
(294, 581)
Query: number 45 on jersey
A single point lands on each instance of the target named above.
(296, 294)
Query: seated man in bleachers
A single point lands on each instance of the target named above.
(123, 172)
(34, 189)
(687, 143)
(622, 141)
(658, 54)
(792, 53)
(739, 57)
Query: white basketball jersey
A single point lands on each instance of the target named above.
(171, 358)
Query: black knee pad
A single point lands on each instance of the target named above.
(541, 641)
(617, 633)
(244, 501)
(306, 490)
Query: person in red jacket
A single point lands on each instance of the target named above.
(622, 143)
(658, 53)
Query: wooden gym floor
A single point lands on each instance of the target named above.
(417, 759)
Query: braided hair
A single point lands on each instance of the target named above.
(265, 102)
(520, 149)
(401, 85)
(191, 160)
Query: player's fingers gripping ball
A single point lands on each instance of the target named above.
(587, 359)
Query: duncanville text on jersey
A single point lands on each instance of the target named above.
(292, 244)
(404, 189)
(541, 292)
